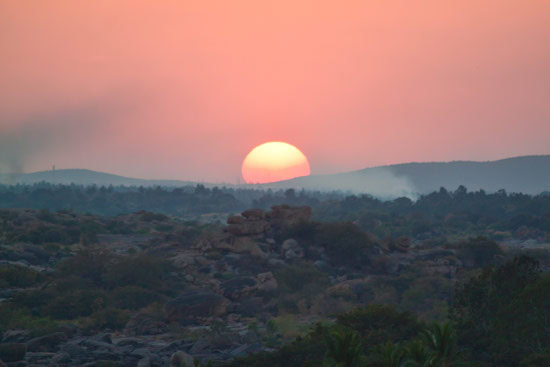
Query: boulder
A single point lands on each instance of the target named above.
(249, 307)
(237, 287)
(38, 358)
(62, 357)
(296, 253)
(248, 227)
(12, 352)
(181, 359)
(248, 245)
(184, 259)
(289, 244)
(46, 343)
(400, 244)
(266, 281)
(145, 362)
(70, 330)
(134, 342)
(253, 214)
(144, 324)
(235, 219)
(195, 304)
(103, 337)
(240, 245)
(15, 336)
(75, 351)
(292, 250)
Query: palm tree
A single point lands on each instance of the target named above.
(418, 355)
(440, 339)
(344, 348)
(389, 355)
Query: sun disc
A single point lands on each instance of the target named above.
(274, 161)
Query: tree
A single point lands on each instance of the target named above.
(440, 340)
(418, 355)
(388, 355)
(503, 315)
(344, 348)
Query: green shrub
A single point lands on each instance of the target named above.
(141, 270)
(296, 277)
(75, 304)
(89, 264)
(12, 317)
(17, 276)
(133, 297)
(344, 243)
(107, 318)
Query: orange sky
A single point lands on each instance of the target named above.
(185, 89)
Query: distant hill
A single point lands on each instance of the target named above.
(527, 174)
(88, 177)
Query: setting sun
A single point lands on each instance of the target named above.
(274, 161)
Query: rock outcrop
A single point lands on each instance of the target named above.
(246, 233)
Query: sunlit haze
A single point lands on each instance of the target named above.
(185, 89)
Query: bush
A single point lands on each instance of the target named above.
(344, 243)
(20, 318)
(89, 264)
(133, 297)
(378, 324)
(108, 318)
(296, 277)
(75, 304)
(141, 270)
(17, 276)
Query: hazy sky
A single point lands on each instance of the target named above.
(184, 89)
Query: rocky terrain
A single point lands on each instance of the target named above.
(241, 288)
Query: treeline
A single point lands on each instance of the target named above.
(441, 213)
(180, 201)
(445, 213)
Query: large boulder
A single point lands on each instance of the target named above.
(195, 304)
(235, 219)
(254, 214)
(181, 359)
(240, 245)
(248, 227)
(46, 343)
(266, 281)
(238, 287)
(15, 336)
(247, 245)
